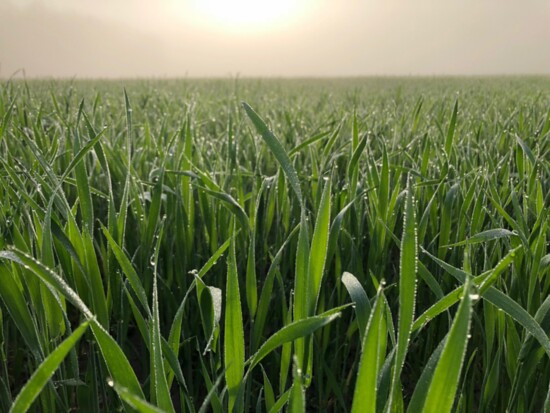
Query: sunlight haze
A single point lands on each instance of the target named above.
(285, 38)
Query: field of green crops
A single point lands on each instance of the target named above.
(352, 245)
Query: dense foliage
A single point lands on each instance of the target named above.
(339, 245)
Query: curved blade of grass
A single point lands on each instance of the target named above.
(277, 149)
(115, 359)
(518, 313)
(504, 302)
(280, 403)
(484, 236)
(81, 153)
(540, 317)
(231, 204)
(291, 332)
(308, 142)
(526, 150)
(210, 306)
(443, 304)
(45, 371)
(366, 386)
(484, 281)
(47, 276)
(442, 390)
(135, 402)
(360, 299)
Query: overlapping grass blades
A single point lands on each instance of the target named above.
(43, 373)
(210, 249)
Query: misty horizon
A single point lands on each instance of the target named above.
(354, 38)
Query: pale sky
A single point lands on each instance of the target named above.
(280, 38)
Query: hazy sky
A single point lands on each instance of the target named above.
(167, 38)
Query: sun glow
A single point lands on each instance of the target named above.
(244, 15)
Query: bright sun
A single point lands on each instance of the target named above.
(247, 14)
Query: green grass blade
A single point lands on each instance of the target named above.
(485, 236)
(6, 119)
(360, 300)
(15, 303)
(302, 290)
(128, 270)
(307, 143)
(45, 371)
(499, 299)
(159, 383)
(230, 203)
(297, 402)
(210, 396)
(82, 152)
(444, 384)
(234, 334)
(423, 384)
(115, 359)
(319, 247)
(291, 332)
(210, 306)
(83, 189)
(281, 402)
(135, 402)
(277, 149)
(265, 296)
(118, 365)
(366, 386)
(95, 280)
(451, 130)
(407, 288)
(251, 287)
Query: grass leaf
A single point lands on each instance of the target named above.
(45, 371)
